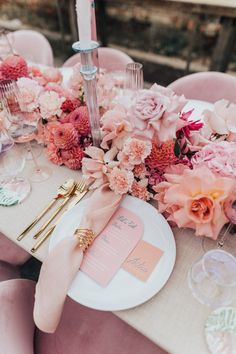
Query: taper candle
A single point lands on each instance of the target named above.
(83, 9)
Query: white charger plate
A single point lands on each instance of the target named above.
(199, 107)
(124, 291)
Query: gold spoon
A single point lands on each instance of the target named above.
(66, 200)
(80, 191)
(61, 193)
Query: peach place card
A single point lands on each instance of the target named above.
(142, 260)
(112, 246)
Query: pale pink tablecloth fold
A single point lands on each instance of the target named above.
(62, 264)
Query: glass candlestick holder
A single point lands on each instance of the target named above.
(88, 71)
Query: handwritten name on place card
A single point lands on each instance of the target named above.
(142, 260)
(112, 246)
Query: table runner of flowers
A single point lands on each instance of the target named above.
(150, 147)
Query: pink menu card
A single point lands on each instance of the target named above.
(112, 246)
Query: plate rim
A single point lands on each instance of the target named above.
(146, 298)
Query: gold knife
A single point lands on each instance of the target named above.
(48, 233)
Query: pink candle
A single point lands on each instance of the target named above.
(83, 9)
(93, 22)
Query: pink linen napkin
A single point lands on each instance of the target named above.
(62, 264)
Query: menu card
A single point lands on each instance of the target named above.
(142, 260)
(112, 246)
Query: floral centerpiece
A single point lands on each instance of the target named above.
(150, 148)
(60, 110)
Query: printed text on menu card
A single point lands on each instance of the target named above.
(112, 246)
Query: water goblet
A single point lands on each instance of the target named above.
(21, 130)
(212, 278)
(13, 188)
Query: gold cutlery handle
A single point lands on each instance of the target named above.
(48, 233)
(39, 243)
(34, 222)
(52, 217)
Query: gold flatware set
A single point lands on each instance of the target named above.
(71, 193)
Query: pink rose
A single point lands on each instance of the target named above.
(195, 200)
(219, 157)
(155, 113)
(52, 75)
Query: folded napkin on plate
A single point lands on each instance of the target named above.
(62, 264)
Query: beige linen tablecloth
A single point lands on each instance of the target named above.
(172, 319)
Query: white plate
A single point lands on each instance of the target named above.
(199, 107)
(124, 291)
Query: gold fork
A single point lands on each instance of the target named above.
(80, 191)
(66, 200)
(61, 193)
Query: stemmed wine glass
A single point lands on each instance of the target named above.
(13, 188)
(21, 130)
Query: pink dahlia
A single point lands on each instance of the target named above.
(14, 67)
(53, 154)
(65, 136)
(161, 156)
(79, 119)
(72, 158)
(120, 180)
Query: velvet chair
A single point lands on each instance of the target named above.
(109, 58)
(12, 253)
(81, 330)
(206, 86)
(33, 46)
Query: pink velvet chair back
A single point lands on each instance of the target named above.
(206, 86)
(109, 58)
(33, 46)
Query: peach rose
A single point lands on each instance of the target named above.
(195, 200)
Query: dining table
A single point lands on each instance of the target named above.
(173, 319)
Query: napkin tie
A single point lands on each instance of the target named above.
(62, 264)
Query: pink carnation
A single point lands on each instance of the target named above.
(120, 180)
(219, 157)
(139, 190)
(140, 171)
(29, 93)
(14, 67)
(137, 150)
(65, 136)
(50, 104)
(76, 82)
